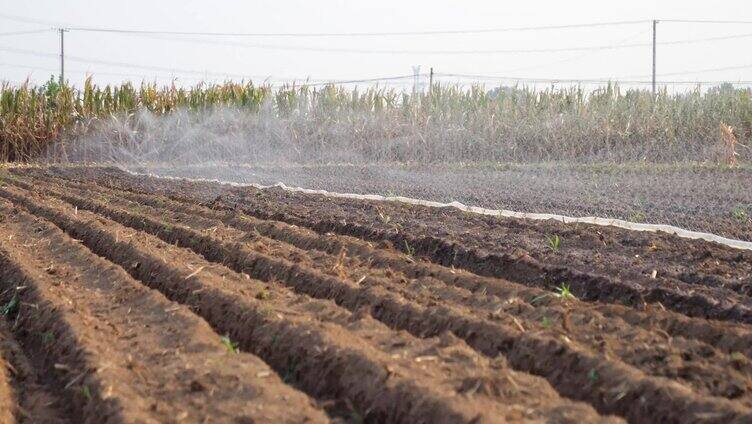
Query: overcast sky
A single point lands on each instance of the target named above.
(193, 58)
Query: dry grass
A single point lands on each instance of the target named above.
(449, 124)
(729, 145)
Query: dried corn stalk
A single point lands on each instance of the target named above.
(729, 145)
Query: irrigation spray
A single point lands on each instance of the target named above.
(567, 162)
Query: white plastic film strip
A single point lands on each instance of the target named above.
(670, 229)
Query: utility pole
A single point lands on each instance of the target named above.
(655, 24)
(62, 55)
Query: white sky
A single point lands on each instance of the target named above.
(214, 60)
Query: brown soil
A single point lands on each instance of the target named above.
(118, 352)
(426, 324)
(9, 405)
(608, 264)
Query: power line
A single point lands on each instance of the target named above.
(89, 72)
(123, 64)
(446, 52)
(335, 82)
(397, 52)
(166, 36)
(323, 34)
(703, 21)
(697, 71)
(34, 31)
(706, 39)
(307, 82)
(572, 58)
(583, 80)
(26, 20)
(359, 34)
(36, 68)
(533, 80)
(464, 76)
(702, 71)
(302, 81)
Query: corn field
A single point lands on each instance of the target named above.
(448, 122)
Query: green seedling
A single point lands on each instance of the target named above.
(11, 307)
(564, 293)
(86, 392)
(593, 375)
(554, 242)
(231, 346)
(48, 337)
(636, 216)
(739, 213)
(546, 322)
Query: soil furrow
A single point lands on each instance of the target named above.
(500, 260)
(391, 387)
(697, 364)
(28, 398)
(728, 337)
(120, 352)
(9, 401)
(617, 388)
(520, 267)
(675, 255)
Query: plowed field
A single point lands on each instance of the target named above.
(135, 299)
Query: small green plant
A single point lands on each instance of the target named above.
(48, 337)
(11, 307)
(230, 345)
(554, 242)
(593, 375)
(86, 392)
(564, 293)
(409, 249)
(738, 356)
(739, 213)
(636, 216)
(546, 322)
(263, 295)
